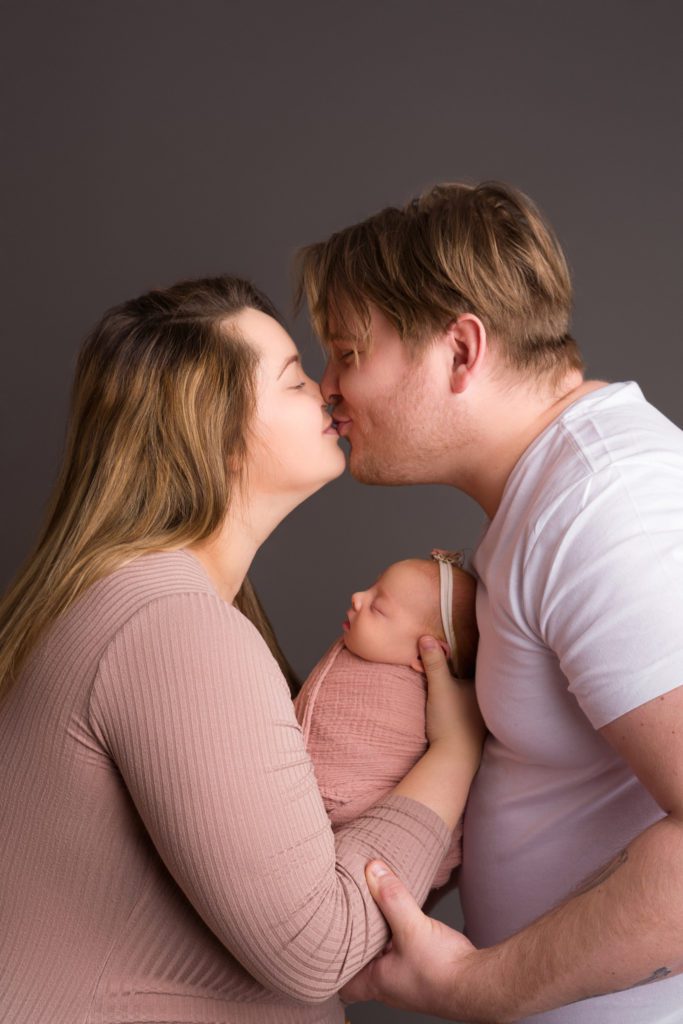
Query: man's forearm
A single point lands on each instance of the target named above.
(622, 928)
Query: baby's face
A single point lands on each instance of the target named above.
(385, 622)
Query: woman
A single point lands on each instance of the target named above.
(164, 850)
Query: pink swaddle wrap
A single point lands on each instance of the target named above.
(364, 727)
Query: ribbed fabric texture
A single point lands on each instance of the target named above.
(165, 855)
(364, 727)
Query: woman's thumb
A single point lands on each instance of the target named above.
(432, 655)
(393, 899)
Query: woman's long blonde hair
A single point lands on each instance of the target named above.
(162, 403)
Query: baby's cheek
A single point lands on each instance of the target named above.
(362, 642)
(387, 645)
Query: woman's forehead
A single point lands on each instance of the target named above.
(267, 336)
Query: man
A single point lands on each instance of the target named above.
(446, 324)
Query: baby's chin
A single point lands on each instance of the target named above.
(360, 652)
(359, 649)
(350, 645)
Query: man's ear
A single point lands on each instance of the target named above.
(416, 663)
(468, 344)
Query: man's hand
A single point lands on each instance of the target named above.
(422, 963)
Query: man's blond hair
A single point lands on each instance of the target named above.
(457, 248)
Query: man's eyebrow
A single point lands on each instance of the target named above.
(287, 362)
(343, 339)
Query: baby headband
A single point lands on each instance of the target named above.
(446, 560)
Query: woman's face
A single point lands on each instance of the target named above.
(295, 448)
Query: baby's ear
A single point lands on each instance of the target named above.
(446, 648)
(416, 663)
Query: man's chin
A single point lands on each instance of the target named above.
(362, 473)
(369, 471)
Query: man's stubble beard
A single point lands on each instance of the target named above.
(405, 446)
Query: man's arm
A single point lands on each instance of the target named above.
(625, 925)
(623, 928)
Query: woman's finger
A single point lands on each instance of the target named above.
(434, 660)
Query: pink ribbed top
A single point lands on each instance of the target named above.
(165, 855)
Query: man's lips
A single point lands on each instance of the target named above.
(342, 425)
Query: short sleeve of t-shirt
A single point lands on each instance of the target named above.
(608, 560)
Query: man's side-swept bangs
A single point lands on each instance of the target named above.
(456, 249)
(329, 278)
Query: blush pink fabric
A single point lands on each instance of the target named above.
(364, 727)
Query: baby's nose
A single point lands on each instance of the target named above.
(357, 600)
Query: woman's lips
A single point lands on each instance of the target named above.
(343, 427)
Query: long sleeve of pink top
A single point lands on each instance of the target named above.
(165, 850)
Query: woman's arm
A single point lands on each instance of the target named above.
(442, 777)
(198, 718)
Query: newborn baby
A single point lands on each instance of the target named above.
(362, 708)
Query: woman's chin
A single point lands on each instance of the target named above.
(331, 472)
(337, 466)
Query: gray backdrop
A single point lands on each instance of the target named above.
(149, 141)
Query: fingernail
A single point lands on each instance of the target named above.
(428, 643)
(377, 870)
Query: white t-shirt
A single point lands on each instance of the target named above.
(579, 610)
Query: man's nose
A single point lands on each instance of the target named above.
(329, 385)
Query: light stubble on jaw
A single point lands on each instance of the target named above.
(397, 445)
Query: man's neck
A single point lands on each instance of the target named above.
(521, 418)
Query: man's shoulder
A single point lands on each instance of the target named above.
(619, 426)
(609, 457)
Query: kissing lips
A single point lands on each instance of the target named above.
(343, 426)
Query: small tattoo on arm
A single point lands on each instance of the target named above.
(661, 972)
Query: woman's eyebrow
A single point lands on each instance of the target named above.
(288, 360)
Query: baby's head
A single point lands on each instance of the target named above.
(386, 621)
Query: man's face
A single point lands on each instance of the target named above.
(388, 407)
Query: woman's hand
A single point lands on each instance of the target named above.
(442, 777)
(453, 719)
